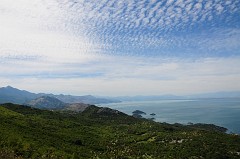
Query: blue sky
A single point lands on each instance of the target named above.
(112, 47)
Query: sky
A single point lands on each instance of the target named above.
(116, 47)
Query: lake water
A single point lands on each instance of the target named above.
(222, 112)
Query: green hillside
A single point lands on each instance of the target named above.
(105, 133)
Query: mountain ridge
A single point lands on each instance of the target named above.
(47, 102)
(52, 103)
(232, 94)
(10, 94)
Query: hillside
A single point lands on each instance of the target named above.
(76, 107)
(87, 99)
(52, 103)
(46, 102)
(27, 132)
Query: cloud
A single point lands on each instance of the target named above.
(124, 47)
(109, 25)
(126, 76)
(124, 23)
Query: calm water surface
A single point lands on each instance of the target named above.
(222, 112)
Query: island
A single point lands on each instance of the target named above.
(139, 112)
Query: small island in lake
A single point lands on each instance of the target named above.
(139, 112)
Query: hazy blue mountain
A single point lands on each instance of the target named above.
(13, 95)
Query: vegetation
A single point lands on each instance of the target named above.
(27, 132)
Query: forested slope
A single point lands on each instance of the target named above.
(27, 132)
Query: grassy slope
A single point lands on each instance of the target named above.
(34, 133)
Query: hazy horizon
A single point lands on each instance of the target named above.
(221, 94)
(117, 48)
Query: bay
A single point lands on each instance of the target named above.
(221, 112)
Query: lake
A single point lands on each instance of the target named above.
(221, 112)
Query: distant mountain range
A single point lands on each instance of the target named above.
(235, 94)
(13, 95)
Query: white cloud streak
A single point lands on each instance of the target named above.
(127, 76)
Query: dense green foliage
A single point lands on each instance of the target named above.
(101, 133)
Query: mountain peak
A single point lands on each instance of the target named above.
(9, 87)
(12, 89)
(10, 94)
